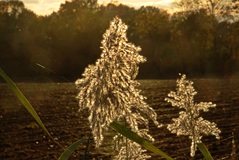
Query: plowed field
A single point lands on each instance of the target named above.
(22, 138)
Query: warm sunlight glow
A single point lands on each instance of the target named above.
(45, 7)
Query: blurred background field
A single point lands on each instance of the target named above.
(22, 138)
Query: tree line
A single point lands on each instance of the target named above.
(59, 46)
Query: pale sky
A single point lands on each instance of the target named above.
(46, 7)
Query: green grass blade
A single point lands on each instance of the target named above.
(66, 154)
(207, 155)
(87, 146)
(23, 100)
(136, 138)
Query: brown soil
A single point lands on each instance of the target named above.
(22, 138)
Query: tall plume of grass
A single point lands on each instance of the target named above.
(109, 90)
(189, 122)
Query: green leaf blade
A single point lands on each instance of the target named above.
(136, 138)
(66, 154)
(207, 155)
(23, 100)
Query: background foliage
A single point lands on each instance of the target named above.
(68, 40)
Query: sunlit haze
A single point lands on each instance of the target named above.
(46, 7)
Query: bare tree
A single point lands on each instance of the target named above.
(223, 10)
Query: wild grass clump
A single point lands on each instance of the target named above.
(189, 122)
(109, 91)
